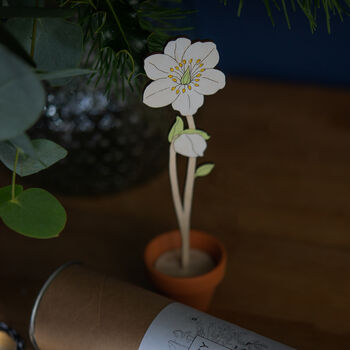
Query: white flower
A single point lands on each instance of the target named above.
(190, 145)
(182, 75)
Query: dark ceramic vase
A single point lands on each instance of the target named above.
(112, 143)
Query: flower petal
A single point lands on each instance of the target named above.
(176, 48)
(190, 145)
(205, 51)
(159, 94)
(210, 82)
(188, 103)
(158, 66)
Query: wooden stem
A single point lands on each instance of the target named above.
(183, 210)
(187, 203)
(175, 187)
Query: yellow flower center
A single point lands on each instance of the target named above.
(185, 74)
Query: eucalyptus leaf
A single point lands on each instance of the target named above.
(47, 153)
(34, 213)
(22, 97)
(24, 144)
(176, 129)
(204, 170)
(7, 39)
(64, 73)
(6, 193)
(58, 43)
(196, 131)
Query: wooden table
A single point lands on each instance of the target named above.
(279, 199)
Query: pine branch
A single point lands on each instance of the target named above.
(310, 8)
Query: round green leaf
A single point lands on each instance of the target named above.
(34, 213)
(22, 97)
(6, 193)
(58, 43)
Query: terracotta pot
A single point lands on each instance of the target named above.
(194, 291)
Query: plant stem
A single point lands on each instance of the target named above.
(175, 186)
(188, 196)
(13, 187)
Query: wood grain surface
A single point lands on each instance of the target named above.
(279, 199)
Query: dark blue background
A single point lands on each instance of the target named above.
(251, 46)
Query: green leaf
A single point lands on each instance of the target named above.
(12, 44)
(47, 153)
(196, 131)
(22, 97)
(58, 43)
(6, 193)
(204, 170)
(34, 213)
(24, 145)
(176, 129)
(64, 73)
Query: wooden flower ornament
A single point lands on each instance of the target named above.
(181, 76)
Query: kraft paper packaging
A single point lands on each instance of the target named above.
(79, 309)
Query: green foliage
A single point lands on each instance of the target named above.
(204, 169)
(55, 48)
(64, 73)
(24, 145)
(58, 43)
(10, 42)
(121, 34)
(6, 194)
(33, 213)
(46, 154)
(176, 129)
(310, 8)
(22, 96)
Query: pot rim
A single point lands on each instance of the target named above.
(215, 275)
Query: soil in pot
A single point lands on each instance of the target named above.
(169, 263)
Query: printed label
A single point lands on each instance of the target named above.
(200, 343)
(180, 327)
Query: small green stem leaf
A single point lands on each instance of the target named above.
(205, 136)
(176, 129)
(204, 170)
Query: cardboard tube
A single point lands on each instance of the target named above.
(79, 309)
(6, 342)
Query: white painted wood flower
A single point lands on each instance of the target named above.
(182, 75)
